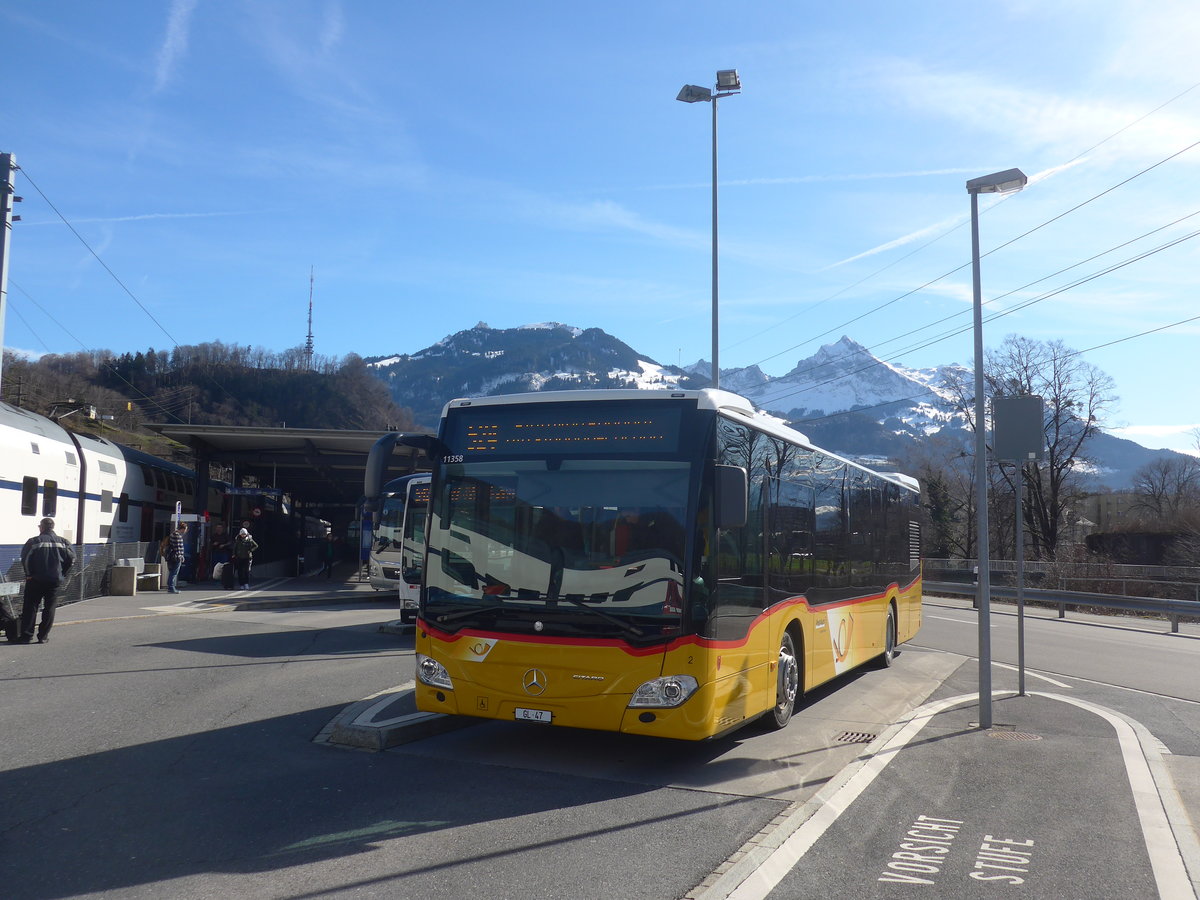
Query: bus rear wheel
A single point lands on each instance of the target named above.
(787, 686)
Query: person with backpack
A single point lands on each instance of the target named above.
(243, 554)
(46, 559)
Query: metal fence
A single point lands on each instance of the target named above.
(90, 574)
(1172, 610)
(1151, 582)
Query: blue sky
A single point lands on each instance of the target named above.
(438, 165)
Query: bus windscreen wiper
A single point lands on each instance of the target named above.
(575, 601)
(466, 613)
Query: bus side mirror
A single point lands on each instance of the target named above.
(732, 496)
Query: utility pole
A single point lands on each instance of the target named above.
(8, 165)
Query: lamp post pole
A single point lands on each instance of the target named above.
(728, 84)
(716, 368)
(983, 551)
(1000, 182)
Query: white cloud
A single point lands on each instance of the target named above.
(607, 215)
(928, 231)
(175, 42)
(1181, 438)
(1061, 124)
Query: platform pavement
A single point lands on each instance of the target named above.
(346, 586)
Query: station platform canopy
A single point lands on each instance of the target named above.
(316, 466)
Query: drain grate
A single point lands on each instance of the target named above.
(1014, 735)
(854, 737)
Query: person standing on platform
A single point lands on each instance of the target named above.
(243, 554)
(218, 547)
(174, 556)
(46, 559)
(328, 554)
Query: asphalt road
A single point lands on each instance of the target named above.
(176, 756)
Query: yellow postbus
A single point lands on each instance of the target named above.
(667, 563)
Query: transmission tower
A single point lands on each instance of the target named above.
(308, 343)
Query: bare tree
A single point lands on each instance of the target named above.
(1077, 396)
(1167, 488)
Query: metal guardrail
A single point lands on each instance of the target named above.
(1171, 609)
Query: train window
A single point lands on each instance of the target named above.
(147, 477)
(188, 487)
(106, 501)
(108, 467)
(29, 493)
(37, 451)
(160, 480)
(123, 508)
(105, 532)
(50, 498)
(72, 461)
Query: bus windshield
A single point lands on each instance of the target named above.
(563, 546)
(391, 521)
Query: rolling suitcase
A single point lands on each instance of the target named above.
(9, 623)
(227, 573)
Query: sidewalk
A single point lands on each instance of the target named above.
(344, 587)
(1063, 797)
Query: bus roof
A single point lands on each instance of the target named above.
(733, 405)
(397, 485)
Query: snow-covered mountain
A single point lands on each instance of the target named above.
(545, 357)
(842, 396)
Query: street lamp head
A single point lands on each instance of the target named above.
(727, 80)
(998, 182)
(691, 93)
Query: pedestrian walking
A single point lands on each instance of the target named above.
(243, 554)
(46, 559)
(174, 556)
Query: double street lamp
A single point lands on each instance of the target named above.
(997, 183)
(727, 85)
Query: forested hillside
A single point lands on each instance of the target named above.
(206, 384)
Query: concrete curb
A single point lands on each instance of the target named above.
(355, 725)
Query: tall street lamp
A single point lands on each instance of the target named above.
(997, 183)
(727, 85)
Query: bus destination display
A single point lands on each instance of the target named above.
(565, 430)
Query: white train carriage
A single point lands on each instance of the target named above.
(39, 476)
(96, 491)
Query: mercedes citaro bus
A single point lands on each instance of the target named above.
(667, 563)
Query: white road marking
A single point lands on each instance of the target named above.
(767, 876)
(385, 698)
(1033, 674)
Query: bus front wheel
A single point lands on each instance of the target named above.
(889, 639)
(787, 684)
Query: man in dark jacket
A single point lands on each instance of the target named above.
(46, 559)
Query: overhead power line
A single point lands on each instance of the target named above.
(98, 259)
(174, 343)
(1007, 243)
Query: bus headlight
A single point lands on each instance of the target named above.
(433, 673)
(666, 692)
